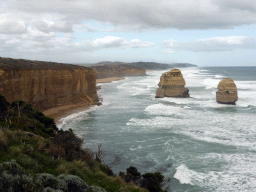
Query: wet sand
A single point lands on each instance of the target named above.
(65, 110)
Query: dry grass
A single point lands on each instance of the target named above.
(3, 138)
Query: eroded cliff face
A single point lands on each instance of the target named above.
(172, 85)
(47, 85)
(117, 70)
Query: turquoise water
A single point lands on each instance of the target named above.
(200, 144)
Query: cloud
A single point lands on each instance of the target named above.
(134, 15)
(212, 44)
(10, 25)
(243, 5)
(51, 44)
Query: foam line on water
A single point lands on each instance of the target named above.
(75, 116)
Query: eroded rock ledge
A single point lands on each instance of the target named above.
(227, 92)
(46, 84)
(172, 85)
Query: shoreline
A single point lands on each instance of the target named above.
(109, 79)
(63, 111)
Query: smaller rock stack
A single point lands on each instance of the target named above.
(227, 92)
(172, 85)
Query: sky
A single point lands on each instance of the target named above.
(201, 32)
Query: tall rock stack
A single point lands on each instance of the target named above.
(172, 85)
(227, 92)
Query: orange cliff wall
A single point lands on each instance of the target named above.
(48, 86)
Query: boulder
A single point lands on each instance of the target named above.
(172, 85)
(227, 92)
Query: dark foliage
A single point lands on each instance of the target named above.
(4, 105)
(67, 145)
(21, 115)
(150, 181)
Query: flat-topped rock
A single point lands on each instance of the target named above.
(227, 92)
(172, 85)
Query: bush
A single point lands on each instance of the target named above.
(71, 183)
(66, 145)
(13, 178)
(4, 105)
(47, 180)
(152, 181)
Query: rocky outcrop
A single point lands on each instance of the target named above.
(117, 70)
(45, 84)
(172, 85)
(227, 92)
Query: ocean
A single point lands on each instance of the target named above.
(200, 144)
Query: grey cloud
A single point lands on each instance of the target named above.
(243, 5)
(47, 27)
(214, 44)
(11, 26)
(145, 14)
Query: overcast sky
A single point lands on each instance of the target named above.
(202, 32)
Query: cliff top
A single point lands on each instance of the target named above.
(145, 65)
(9, 63)
(116, 66)
(227, 84)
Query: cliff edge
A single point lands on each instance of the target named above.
(172, 85)
(47, 84)
(109, 69)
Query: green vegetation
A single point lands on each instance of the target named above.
(9, 63)
(36, 156)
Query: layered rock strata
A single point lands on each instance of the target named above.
(45, 84)
(172, 85)
(227, 92)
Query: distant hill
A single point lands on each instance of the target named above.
(173, 65)
(160, 66)
(146, 65)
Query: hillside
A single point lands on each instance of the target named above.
(143, 65)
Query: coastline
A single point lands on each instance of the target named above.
(109, 79)
(63, 111)
(60, 112)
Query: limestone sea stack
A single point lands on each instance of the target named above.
(227, 92)
(172, 85)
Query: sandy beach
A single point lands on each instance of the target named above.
(65, 110)
(109, 79)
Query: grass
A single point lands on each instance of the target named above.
(31, 153)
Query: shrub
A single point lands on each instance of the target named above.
(47, 180)
(152, 181)
(71, 183)
(4, 105)
(66, 145)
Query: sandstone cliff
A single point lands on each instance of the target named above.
(46, 84)
(227, 92)
(172, 85)
(117, 70)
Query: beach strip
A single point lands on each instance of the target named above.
(60, 112)
(109, 79)
(63, 111)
